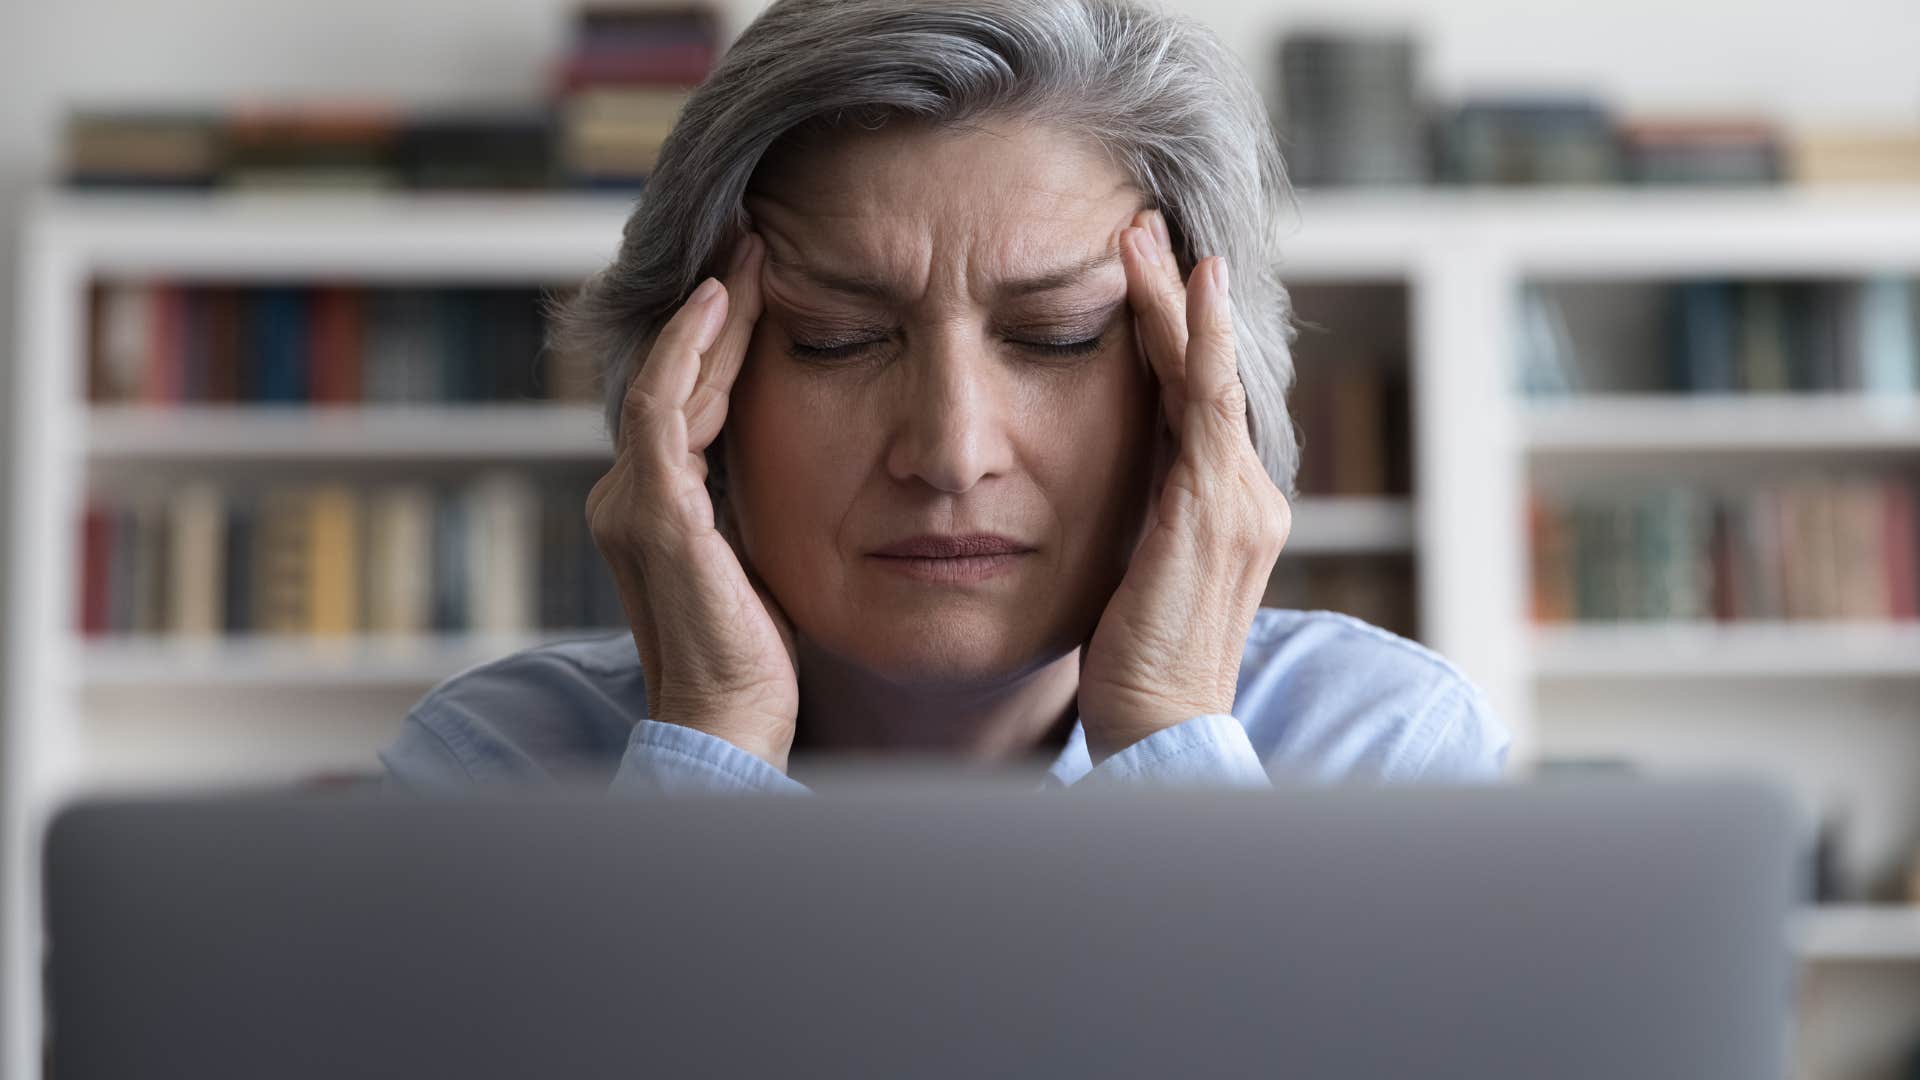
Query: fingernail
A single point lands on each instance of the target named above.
(708, 289)
(1220, 274)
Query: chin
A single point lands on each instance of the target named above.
(949, 650)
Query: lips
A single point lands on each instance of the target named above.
(970, 545)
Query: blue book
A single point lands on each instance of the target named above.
(281, 345)
(1889, 356)
(1705, 343)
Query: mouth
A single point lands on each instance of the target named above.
(952, 560)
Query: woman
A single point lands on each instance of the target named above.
(972, 443)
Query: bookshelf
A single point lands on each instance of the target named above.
(1830, 708)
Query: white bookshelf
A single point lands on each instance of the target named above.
(268, 663)
(1477, 449)
(1647, 424)
(1766, 651)
(1351, 525)
(533, 432)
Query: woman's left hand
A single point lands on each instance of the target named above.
(1168, 646)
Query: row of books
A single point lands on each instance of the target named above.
(172, 342)
(1813, 548)
(1352, 421)
(616, 94)
(501, 554)
(1353, 109)
(1753, 337)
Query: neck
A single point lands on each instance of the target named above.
(846, 709)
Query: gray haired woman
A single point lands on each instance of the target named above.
(946, 366)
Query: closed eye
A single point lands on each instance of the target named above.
(1063, 348)
(840, 350)
(833, 350)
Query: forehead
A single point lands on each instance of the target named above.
(910, 199)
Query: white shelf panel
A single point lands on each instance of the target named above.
(1719, 650)
(254, 662)
(1668, 423)
(139, 433)
(1862, 932)
(1343, 524)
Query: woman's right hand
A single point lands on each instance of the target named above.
(716, 650)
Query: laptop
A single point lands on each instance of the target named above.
(929, 929)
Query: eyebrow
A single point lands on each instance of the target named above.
(873, 288)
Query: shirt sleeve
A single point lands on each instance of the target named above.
(1211, 749)
(675, 758)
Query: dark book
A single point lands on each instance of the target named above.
(490, 150)
(1705, 344)
(239, 569)
(450, 546)
(96, 570)
(196, 346)
(226, 344)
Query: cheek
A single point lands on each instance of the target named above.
(1095, 435)
(792, 460)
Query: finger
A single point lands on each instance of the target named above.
(1215, 399)
(1159, 307)
(720, 364)
(667, 376)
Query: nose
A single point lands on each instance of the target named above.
(950, 430)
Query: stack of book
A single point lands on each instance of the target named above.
(322, 147)
(1349, 109)
(1830, 548)
(622, 85)
(1699, 150)
(146, 149)
(1352, 421)
(497, 556)
(174, 342)
(1528, 141)
(1853, 156)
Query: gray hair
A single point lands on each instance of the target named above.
(1159, 93)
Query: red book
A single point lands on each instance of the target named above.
(96, 553)
(335, 373)
(1902, 553)
(161, 383)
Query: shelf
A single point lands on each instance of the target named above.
(1859, 932)
(1668, 423)
(252, 432)
(262, 662)
(1718, 650)
(1346, 524)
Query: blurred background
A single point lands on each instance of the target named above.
(1608, 378)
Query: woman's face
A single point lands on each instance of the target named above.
(946, 350)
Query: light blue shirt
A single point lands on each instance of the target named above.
(1321, 697)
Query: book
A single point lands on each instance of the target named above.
(197, 520)
(1853, 156)
(399, 558)
(333, 574)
